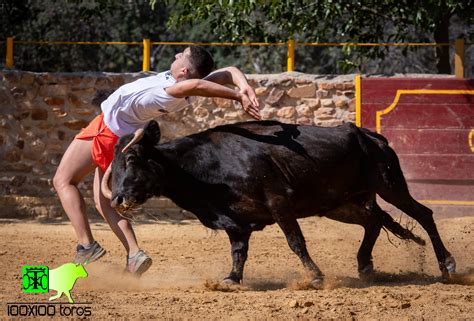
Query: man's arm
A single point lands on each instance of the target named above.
(200, 87)
(233, 76)
(228, 76)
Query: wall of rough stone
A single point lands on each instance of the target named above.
(41, 112)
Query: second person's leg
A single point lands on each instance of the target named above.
(119, 225)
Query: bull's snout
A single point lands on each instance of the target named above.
(116, 201)
(123, 204)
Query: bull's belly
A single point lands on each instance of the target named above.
(250, 210)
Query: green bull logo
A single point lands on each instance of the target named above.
(39, 279)
(63, 278)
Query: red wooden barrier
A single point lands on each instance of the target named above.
(430, 124)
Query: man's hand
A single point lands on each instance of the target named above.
(233, 76)
(250, 101)
(250, 107)
(248, 90)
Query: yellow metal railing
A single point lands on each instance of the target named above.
(9, 60)
(291, 55)
(146, 54)
(459, 58)
(291, 44)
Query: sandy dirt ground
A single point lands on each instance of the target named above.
(190, 260)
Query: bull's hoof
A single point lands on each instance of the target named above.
(450, 264)
(317, 282)
(447, 268)
(366, 270)
(229, 282)
(366, 273)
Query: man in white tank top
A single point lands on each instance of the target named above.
(131, 107)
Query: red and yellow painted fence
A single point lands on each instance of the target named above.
(291, 45)
(430, 124)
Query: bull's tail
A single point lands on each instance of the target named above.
(374, 134)
(388, 179)
(403, 233)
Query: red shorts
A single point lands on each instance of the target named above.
(103, 141)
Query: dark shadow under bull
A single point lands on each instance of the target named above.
(243, 177)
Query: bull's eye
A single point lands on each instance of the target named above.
(130, 158)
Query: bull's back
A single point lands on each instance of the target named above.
(263, 149)
(293, 144)
(287, 138)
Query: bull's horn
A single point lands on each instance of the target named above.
(136, 138)
(104, 185)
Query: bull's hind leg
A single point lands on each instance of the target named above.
(424, 216)
(392, 187)
(239, 247)
(364, 256)
(361, 215)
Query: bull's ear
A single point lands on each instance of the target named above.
(152, 132)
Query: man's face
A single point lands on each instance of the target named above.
(181, 62)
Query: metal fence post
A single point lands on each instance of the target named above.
(459, 58)
(146, 54)
(358, 101)
(291, 55)
(9, 59)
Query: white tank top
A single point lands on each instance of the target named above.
(134, 104)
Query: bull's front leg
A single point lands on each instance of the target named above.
(280, 210)
(297, 243)
(239, 247)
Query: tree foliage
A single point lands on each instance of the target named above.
(236, 21)
(369, 21)
(99, 20)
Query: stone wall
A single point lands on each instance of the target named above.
(41, 112)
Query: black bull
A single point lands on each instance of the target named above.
(242, 177)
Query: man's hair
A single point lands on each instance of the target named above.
(201, 62)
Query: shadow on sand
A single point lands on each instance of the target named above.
(334, 282)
